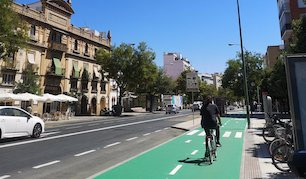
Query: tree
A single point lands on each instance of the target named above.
(233, 76)
(29, 83)
(13, 31)
(298, 42)
(207, 90)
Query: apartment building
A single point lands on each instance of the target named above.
(175, 64)
(289, 10)
(64, 56)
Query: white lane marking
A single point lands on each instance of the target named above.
(238, 135)
(5, 176)
(84, 153)
(158, 131)
(88, 131)
(46, 164)
(202, 133)
(146, 134)
(173, 172)
(204, 142)
(47, 134)
(110, 145)
(193, 132)
(227, 134)
(93, 125)
(187, 141)
(131, 138)
(166, 128)
(239, 119)
(73, 127)
(194, 152)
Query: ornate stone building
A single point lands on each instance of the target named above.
(63, 54)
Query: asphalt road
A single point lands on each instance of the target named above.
(82, 149)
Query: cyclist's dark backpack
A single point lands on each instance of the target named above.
(206, 116)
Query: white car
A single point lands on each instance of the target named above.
(16, 122)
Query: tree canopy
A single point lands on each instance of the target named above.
(13, 31)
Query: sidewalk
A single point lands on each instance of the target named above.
(257, 162)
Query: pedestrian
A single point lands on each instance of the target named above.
(211, 120)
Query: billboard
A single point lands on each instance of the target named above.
(296, 79)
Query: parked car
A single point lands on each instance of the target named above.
(171, 109)
(16, 122)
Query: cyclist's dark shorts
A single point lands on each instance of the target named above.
(207, 130)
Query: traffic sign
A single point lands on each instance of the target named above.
(192, 83)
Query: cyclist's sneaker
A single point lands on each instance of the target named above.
(218, 144)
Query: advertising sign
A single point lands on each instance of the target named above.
(192, 83)
(296, 78)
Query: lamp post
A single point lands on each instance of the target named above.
(246, 93)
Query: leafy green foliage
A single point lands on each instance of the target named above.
(29, 83)
(13, 31)
(298, 42)
(233, 76)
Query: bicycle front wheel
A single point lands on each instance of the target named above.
(275, 144)
(281, 156)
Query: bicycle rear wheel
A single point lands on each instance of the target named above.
(275, 144)
(281, 156)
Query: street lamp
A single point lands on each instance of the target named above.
(246, 94)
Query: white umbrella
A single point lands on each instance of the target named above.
(67, 98)
(9, 97)
(31, 97)
(52, 98)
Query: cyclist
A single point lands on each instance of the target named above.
(210, 120)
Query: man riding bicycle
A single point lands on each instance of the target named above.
(210, 120)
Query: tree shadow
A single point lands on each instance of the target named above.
(199, 161)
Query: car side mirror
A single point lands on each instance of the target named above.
(28, 118)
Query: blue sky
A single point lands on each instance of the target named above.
(199, 29)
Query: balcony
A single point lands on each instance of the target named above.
(58, 46)
(8, 65)
(284, 7)
(286, 31)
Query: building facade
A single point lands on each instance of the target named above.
(212, 79)
(289, 10)
(175, 64)
(64, 56)
(272, 55)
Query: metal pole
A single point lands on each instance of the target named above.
(246, 93)
(192, 109)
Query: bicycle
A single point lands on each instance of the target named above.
(281, 155)
(283, 135)
(211, 146)
(272, 125)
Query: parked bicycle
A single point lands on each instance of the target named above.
(281, 155)
(272, 125)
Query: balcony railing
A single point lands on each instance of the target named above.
(285, 28)
(58, 46)
(8, 65)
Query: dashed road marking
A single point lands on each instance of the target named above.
(193, 132)
(202, 133)
(131, 138)
(227, 134)
(84, 153)
(187, 141)
(238, 135)
(146, 134)
(166, 128)
(46, 164)
(5, 176)
(194, 152)
(110, 145)
(158, 131)
(177, 168)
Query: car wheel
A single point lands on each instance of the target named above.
(37, 131)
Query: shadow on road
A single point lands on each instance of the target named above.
(199, 161)
(8, 140)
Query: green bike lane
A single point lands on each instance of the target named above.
(182, 157)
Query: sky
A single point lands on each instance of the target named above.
(198, 29)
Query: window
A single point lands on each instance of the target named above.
(7, 112)
(74, 84)
(56, 37)
(75, 44)
(33, 30)
(103, 86)
(19, 113)
(86, 48)
(8, 79)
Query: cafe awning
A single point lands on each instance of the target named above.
(58, 66)
(31, 58)
(76, 71)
